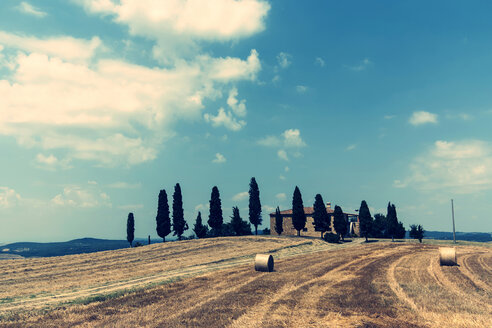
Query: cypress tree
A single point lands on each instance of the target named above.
(379, 226)
(321, 219)
(130, 229)
(200, 229)
(298, 215)
(279, 221)
(162, 219)
(254, 205)
(392, 221)
(400, 231)
(239, 226)
(179, 223)
(339, 222)
(365, 220)
(215, 219)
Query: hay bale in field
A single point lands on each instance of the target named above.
(264, 262)
(447, 256)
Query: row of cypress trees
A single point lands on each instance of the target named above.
(215, 220)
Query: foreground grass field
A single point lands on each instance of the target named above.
(207, 283)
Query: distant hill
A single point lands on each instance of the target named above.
(76, 246)
(468, 236)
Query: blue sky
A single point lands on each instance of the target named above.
(103, 103)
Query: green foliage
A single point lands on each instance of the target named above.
(239, 226)
(321, 219)
(365, 220)
(400, 231)
(179, 223)
(266, 231)
(417, 232)
(331, 238)
(200, 229)
(298, 215)
(392, 221)
(215, 219)
(130, 228)
(254, 205)
(379, 226)
(162, 219)
(138, 244)
(279, 222)
(339, 222)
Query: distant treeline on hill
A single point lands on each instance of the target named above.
(468, 236)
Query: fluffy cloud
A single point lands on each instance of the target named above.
(124, 185)
(225, 119)
(282, 154)
(178, 26)
(238, 107)
(292, 138)
(51, 162)
(461, 167)
(301, 88)
(26, 8)
(219, 158)
(422, 117)
(365, 63)
(284, 60)
(319, 61)
(281, 196)
(240, 196)
(8, 197)
(290, 142)
(84, 197)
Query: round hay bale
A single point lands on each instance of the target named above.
(447, 256)
(264, 262)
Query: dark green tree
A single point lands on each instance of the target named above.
(254, 205)
(130, 229)
(239, 226)
(339, 222)
(279, 222)
(321, 219)
(400, 231)
(392, 221)
(417, 232)
(200, 229)
(298, 215)
(162, 219)
(365, 220)
(215, 219)
(179, 223)
(379, 226)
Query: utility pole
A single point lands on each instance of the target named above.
(452, 212)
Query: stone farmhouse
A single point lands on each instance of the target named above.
(289, 230)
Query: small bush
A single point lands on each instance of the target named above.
(331, 238)
(138, 244)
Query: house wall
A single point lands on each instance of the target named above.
(289, 229)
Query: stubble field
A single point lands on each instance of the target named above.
(212, 283)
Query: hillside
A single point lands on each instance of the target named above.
(211, 282)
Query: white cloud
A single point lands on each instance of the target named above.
(389, 117)
(124, 185)
(64, 47)
(27, 8)
(281, 196)
(292, 138)
(365, 63)
(219, 158)
(267, 209)
(202, 207)
(8, 197)
(284, 60)
(422, 117)
(351, 147)
(281, 177)
(270, 141)
(225, 119)
(319, 61)
(84, 197)
(178, 26)
(282, 154)
(301, 89)
(240, 196)
(459, 167)
(51, 162)
(238, 107)
(286, 169)
(131, 207)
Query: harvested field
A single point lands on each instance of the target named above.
(314, 285)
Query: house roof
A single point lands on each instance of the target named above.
(308, 211)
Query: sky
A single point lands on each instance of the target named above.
(105, 102)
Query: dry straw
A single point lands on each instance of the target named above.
(447, 256)
(264, 262)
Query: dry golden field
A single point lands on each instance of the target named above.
(212, 283)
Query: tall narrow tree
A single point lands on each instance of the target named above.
(298, 215)
(162, 219)
(321, 219)
(279, 222)
(339, 222)
(130, 229)
(179, 223)
(239, 226)
(365, 220)
(215, 219)
(200, 229)
(379, 227)
(392, 221)
(254, 204)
